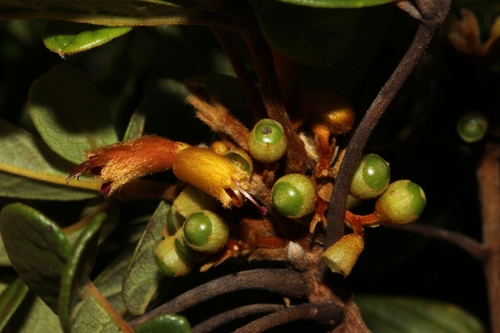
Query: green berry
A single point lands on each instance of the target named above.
(187, 251)
(206, 232)
(167, 322)
(241, 160)
(402, 202)
(472, 126)
(192, 200)
(371, 177)
(169, 261)
(294, 195)
(267, 141)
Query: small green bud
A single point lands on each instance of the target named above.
(294, 195)
(371, 177)
(267, 141)
(342, 256)
(206, 232)
(169, 261)
(472, 126)
(402, 202)
(166, 322)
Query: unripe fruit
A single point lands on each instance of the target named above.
(187, 251)
(472, 126)
(206, 232)
(294, 195)
(267, 141)
(169, 261)
(241, 159)
(342, 256)
(402, 202)
(371, 177)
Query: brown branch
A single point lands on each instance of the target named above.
(470, 245)
(323, 313)
(219, 118)
(434, 13)
(246, 81)
(228, 316)
(408, 7)
(282, 281)
(488, 175)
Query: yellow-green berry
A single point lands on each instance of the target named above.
(294, 195)
(206, 232)
(472, 126)
(241, 159)
(187, 251)
(169, 261)
(267, 141)
(402, 202)
(371, 177)
(342, 256)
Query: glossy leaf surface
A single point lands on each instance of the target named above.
(70, 113)
(64, 37)
(37, 249)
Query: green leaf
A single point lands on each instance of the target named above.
(314, 36)
(68, 37)
(110, 281)
(38, 318)
(37, 249)
(110, 13)
(143, 276)
(4, 258)
(137, 122)
(168, 322)
(82, 308)
(387, 314)
(70, 113)
(30, 170)
(338, 3)
(10, 299)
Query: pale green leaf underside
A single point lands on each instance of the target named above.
(109, 13)
(143, 276)
(40, 318)
(384, 314)
(30, 170)
(65, 37)
(338, 3)
(70, 113)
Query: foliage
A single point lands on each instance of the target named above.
(204, 72)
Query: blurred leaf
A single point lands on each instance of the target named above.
(338, 3)
(137, 122)
(110, 281)
(40, 318)
(4, 258)
(314, 36)
(168, 322)
(37, 249)
(387, 314)
(82, 308)
(70, 113)
(68, 37)
(10, 299)
(29, 169)
(143, 276)
(111, 12)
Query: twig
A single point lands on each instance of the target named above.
(228, 316)
(408, 7)
(471, 246)
(488, 176)
(323, 313)
(246, 82)
(281, 281)
(435, 13)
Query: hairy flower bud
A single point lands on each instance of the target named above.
(125, 161)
